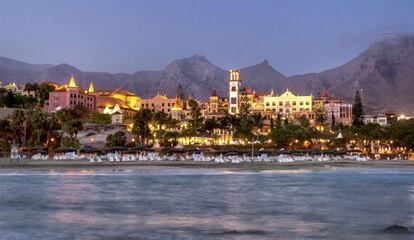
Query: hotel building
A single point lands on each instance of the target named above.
(289, 105)
(341, 110)
(161, 103)
(69, 96)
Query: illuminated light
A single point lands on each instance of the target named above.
(91, 88)
(52, 139)
(72, 82)
(133, 140)
(92, 139)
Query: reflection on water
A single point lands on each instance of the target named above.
(204, 204)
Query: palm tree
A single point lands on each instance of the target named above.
(17, 121)
(72, 127)
(141, 125)
(257, 119)
(5, 130)
(36, 121)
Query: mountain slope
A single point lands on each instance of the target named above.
(384, 72)
(263, 77)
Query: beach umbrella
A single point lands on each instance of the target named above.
(38, 149)
(89, 149)
(65, 149)
(116, 149)
(43, 151)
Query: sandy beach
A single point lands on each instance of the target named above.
(83, 164)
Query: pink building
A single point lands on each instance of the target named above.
(70, 95)
(338, 107)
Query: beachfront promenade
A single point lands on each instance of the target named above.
(199, 160)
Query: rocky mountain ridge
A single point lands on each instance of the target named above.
(384, 73)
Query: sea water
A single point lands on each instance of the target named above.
(171, 203)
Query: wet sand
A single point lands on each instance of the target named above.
(83, 164)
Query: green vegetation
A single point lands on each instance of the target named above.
(117, 139)
(99, 118)
(357, 111)
(35, 97)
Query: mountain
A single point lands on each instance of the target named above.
(384, 72)
(263, 77)
(198, 76)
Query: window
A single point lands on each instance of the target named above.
(280, 109)
(280, 103)
(294, 103)
(233, 89)
(307, 103)
(233, 100)
(162, 104)
(273, 103)
(233, 109)
(294, 110)
(301, 103)
(267, 104)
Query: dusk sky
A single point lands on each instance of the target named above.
(128, 36)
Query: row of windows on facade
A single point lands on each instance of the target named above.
(287, 103)
(287, 110)
(162, 104)
(80, 103)
(74, 95)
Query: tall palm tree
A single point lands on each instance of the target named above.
(257, 119)
(5, 131)
(141, 125)
(17, 120)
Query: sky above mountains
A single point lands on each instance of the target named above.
(126, 36)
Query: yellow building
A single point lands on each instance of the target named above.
(288, 104)
(161, 103)
(127, 101)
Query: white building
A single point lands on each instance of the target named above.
(380, 119)
(234, 91)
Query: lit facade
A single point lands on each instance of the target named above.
(217, 107)
(341, 110)
(161, 103)
(379, 119)
(127, 102)
(288, 104)
(234, 91)
(217, 104)
(69, 96)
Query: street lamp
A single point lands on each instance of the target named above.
(253, 142)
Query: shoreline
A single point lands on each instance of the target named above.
(81, 164)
